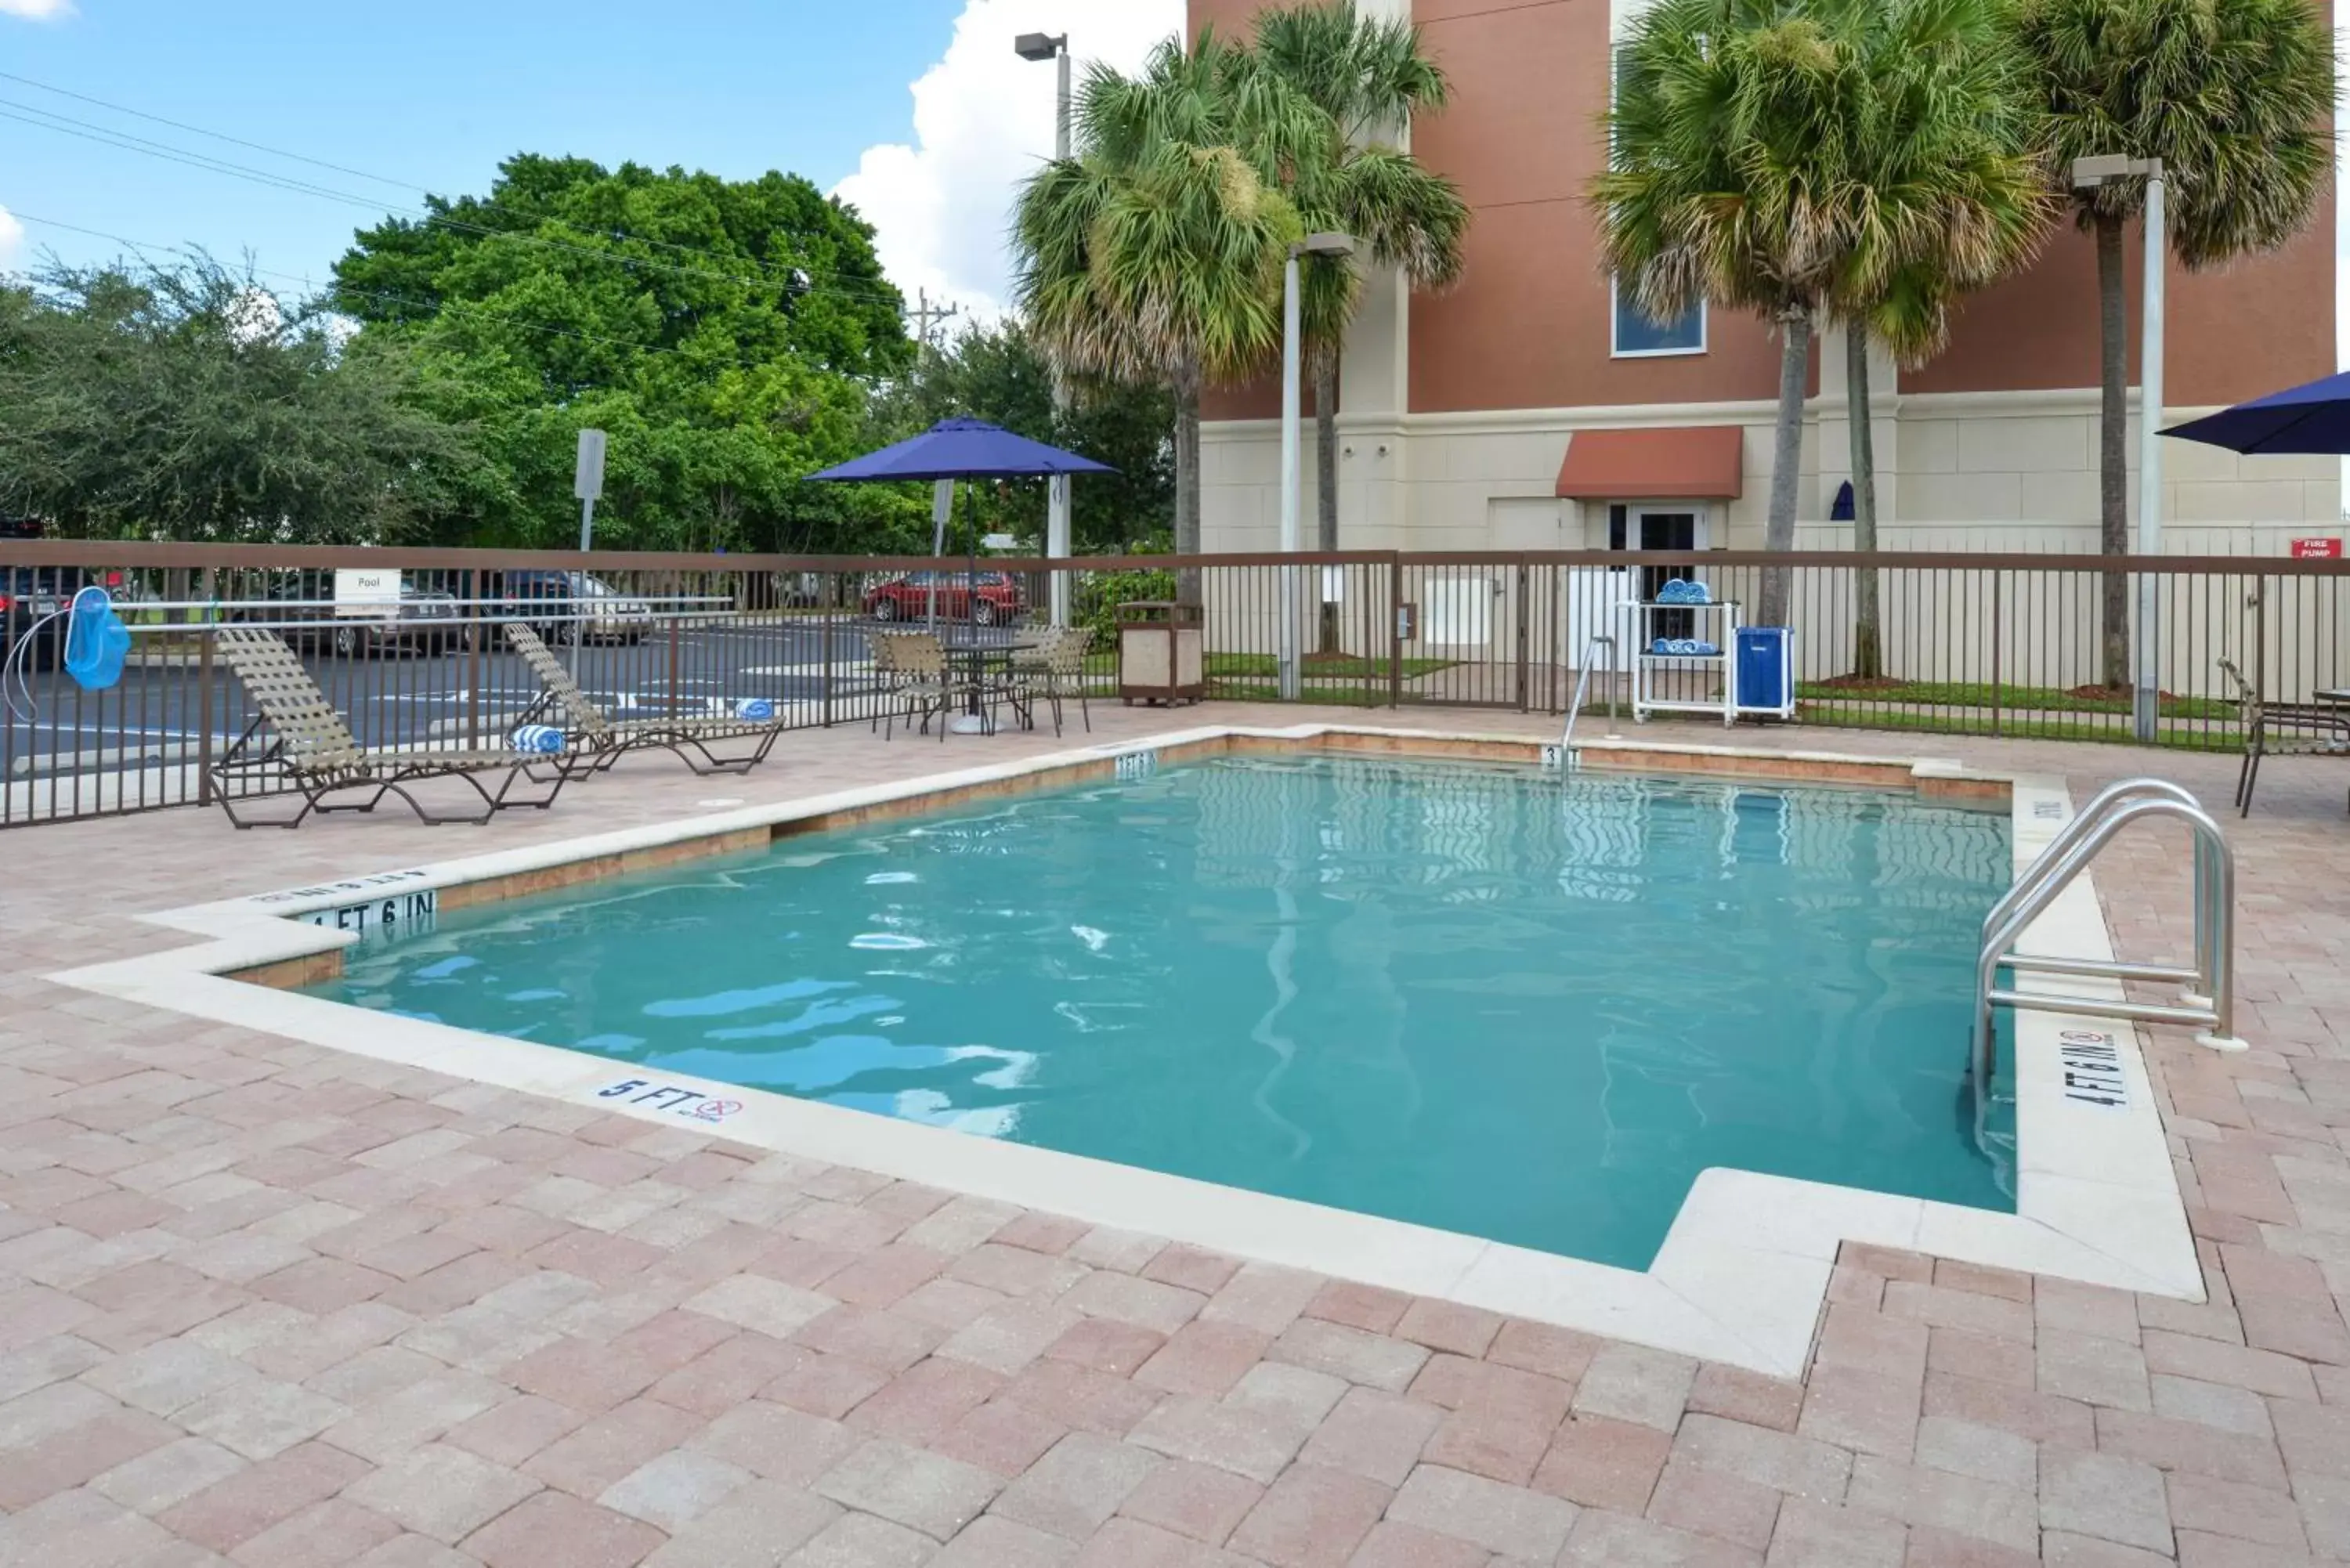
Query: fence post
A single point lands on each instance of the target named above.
(205, 705)
(824, 641)
(1395, 628)
(1522, 612)
(1997, 601)
(674, 587)
(475, 629)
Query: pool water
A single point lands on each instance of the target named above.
(1481, 998)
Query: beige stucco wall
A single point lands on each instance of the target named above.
(1996, 471)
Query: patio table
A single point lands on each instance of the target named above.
(972, 655)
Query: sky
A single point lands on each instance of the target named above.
(917, 110)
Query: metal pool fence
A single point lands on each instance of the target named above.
(1963, 644)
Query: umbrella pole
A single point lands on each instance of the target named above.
(942, 508)
(970, 555)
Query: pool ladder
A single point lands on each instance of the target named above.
(2208, 1000)
(1581, 688)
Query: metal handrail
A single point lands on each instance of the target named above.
(2087, 817)
(2211, 1005)
(1581, 685)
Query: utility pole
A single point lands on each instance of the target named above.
(925, 314)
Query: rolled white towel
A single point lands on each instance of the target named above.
(538, 740)
(757, 708)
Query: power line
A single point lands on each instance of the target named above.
(802, 282)
(200, 131)
(337, 168)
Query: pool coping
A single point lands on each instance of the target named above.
(1745, 1269)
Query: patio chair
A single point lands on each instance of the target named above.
(2282, 729)
(600, 740)
(916, 679)
(314, 749)
(1053, 666)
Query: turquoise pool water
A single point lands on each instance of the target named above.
(1479, 998)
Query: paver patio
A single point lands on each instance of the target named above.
(266, 1304)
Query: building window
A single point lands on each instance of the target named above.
(1637, 337)
(1634, 336)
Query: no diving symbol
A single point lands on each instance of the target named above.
(669, 1098)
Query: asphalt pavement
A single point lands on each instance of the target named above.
(159, 710)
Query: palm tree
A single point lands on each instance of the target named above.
(1154, 253)
(1725, 162)
(1947, 189)
(1367, 78)
(2236, 97)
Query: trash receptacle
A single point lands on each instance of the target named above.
(1160, 652)
(1766, 670)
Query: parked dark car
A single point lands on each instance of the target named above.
(990, 598)
(427, 620)
(29, 596)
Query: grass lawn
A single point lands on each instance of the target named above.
(1320, 667)
(2016, 723)
(2031, 699)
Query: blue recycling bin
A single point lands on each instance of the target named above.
(1766, 670)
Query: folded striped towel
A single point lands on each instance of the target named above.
(760, 709)
(538, 740)
(1687, 647)
(1681, 591)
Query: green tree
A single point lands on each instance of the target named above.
(2236, 97)
(187, 403)
(1367, 76)
(727, 334)
(1946, 191)
(1722, 182)
(1154, 254)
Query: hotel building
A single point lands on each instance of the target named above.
(1530, 407)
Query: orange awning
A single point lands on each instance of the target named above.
(1664, 463)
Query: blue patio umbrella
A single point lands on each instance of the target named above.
(962, 449)
(2312, 419)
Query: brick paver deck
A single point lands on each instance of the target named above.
(264, 1303)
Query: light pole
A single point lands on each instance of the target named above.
(1321, 244)
(1041, 46)
(2087, 174)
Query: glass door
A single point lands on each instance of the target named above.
(1646, 528)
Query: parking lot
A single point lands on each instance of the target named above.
(447, 696)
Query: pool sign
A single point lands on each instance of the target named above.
(399, 915)
(692, 1105)
(2093, 1069)
(366, 590)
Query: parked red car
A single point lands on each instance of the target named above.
(991, 598)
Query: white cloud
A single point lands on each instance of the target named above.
(38, 10)
(11, 232)
(982, 121)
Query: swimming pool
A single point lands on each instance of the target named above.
(1478, 998)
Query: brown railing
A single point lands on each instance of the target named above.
(1967, 644)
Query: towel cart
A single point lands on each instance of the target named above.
(1684, 682)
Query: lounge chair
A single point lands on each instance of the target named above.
(1052, 667)
(312, 749)
(599, 740)
(2282, 729)
(916, 680)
